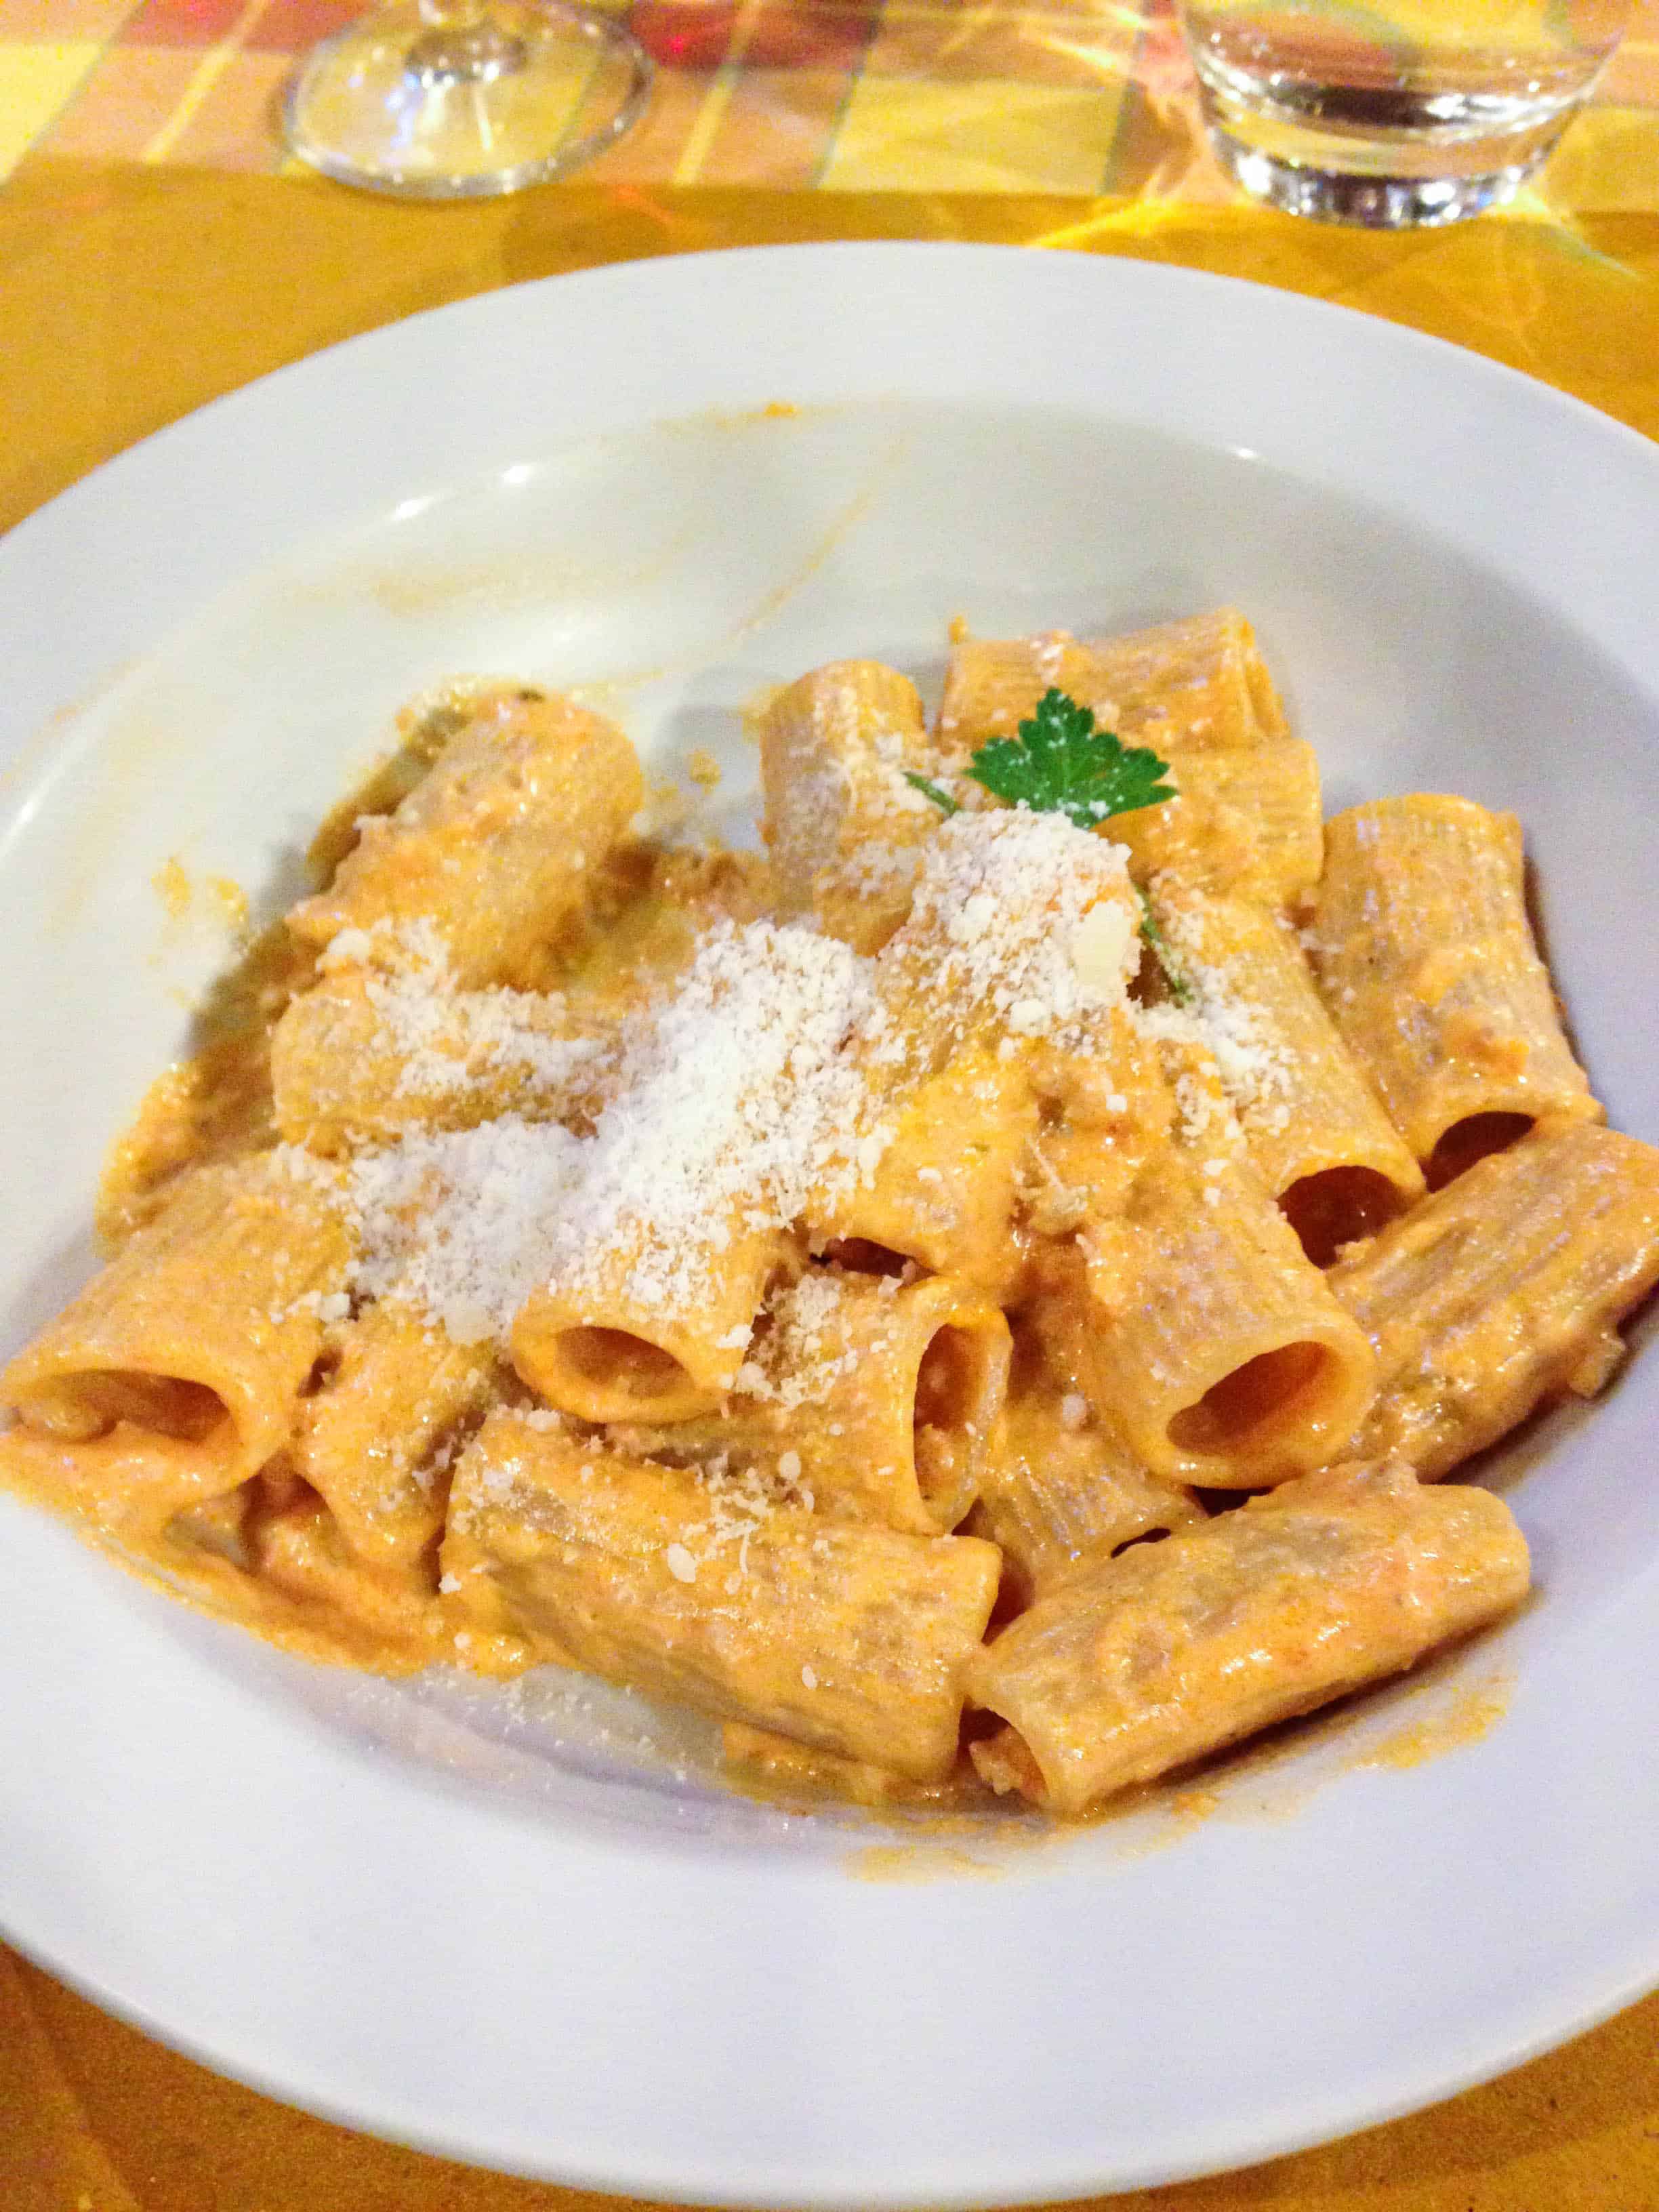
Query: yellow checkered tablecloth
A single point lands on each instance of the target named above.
(1067, 96)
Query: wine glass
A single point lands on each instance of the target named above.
(461, 98)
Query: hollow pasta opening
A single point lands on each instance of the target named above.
(860, 1255)
(1268, 1393)
(950, 1417)
(1005, 1762)
(167, 1405)
(216, 1529)
(1146, 1536)
(1338, 1207)
(628, 1368)
(1475, 1138)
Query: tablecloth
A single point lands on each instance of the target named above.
(1084, 96)
(94, 2117)
(155, 251)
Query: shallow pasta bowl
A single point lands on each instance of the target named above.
(530, 1929)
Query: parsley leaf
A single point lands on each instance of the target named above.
(1062, 763)
(941, 798)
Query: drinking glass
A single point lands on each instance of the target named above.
(459, 99)
(1391, 112)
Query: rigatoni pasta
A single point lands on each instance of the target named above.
(882, 1398)
(496, 847)
(1210, 1339)
(1020, 932)
(852, 1638)
(1245, 814)
(396, 1401)
(1428, 965)
(202, 1332)
(1200, 683)
(1503, 1290)
(369, 1052)
(1062, 1487)
(1147, 1661)
(848, 1292)
(843, 825)
(1245, 821)
(1313, 1127)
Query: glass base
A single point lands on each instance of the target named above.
(1375, 202)
(425, 101)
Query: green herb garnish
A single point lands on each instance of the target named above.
(1176, 984)
(941, 798)
(1063, 763)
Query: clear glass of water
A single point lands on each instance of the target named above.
(1392, 112)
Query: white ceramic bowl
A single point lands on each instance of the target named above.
(532, 1932)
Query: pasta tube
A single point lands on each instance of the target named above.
(1214, 1345)
(1503, 1290)
(134, 1490)
(333, 1604)
(852, 1638)
(364, 1057)
(1243, 821)
(880, 1398)
(376, 1438)
(1314, 1131)
(1019, 938)
(1427, 963)
(609, 1347)
(1060, 1489)
(1198, 682)
(498, 844)
(842, 822)
(1139, 1664)
(201, 1334)
(943, 1191)
(1104, 1111)
(726, 1106)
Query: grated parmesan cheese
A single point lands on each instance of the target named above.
(734, 1101)
(798, 1356)
(447, 1040)
(459, 1223)
(1254, 1070)
(730, 1103)
(1021, 918)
